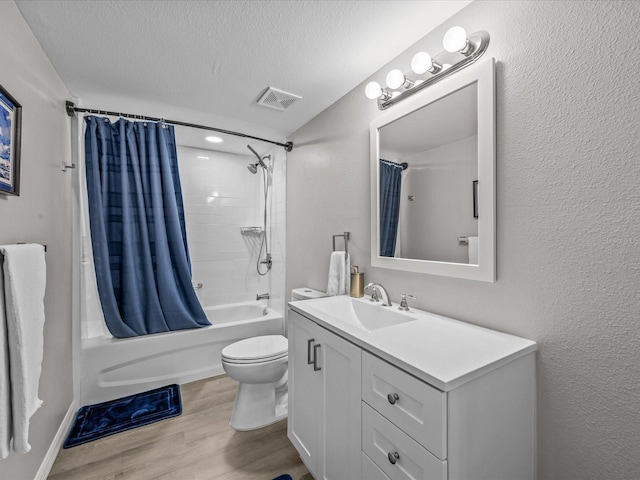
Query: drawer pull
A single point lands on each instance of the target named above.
(309, 342)
(393, 398)
(393, 457)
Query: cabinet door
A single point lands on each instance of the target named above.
(339, 418)
(304, 388)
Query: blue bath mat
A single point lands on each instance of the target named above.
(283, 477)
(104, 419)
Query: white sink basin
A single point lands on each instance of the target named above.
(361, 313)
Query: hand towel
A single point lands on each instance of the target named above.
(339, 274)
(5, 390)
(24, 288)
(473, 250)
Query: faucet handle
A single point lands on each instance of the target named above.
(374, 295)
(403, 303)
(371, 290)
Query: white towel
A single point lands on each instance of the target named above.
(5, 390)
(339, 274)
(24, 273)
(473, 250)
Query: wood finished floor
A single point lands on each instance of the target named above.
(198, 445)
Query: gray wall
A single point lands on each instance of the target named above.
(440, 180)
(568, 217)
(40, 214)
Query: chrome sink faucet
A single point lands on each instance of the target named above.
(404, 307)
(378, 292)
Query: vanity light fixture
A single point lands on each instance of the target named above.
(397, 80)
(456, 42)
(374, 91)
(423, 63)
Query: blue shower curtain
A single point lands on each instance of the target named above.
(137, 228)
(390, 185)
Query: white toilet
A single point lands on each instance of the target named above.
(306, 293)
(259, 364)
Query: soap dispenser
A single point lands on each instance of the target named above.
(357, 282)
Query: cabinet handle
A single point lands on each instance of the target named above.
(309, 342)
(393, 457)
(316, 368)
(393, 398)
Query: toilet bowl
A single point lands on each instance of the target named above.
(260, 364)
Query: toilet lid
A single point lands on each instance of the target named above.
(256, 349)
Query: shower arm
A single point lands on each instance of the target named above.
(260, 161)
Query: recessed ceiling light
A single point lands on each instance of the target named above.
(202, 157)
(213, 139)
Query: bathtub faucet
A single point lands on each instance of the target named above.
(262, 296)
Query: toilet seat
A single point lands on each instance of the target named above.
(256, 350)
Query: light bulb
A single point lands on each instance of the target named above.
(455, 39)
(421, 63)
(395, 79)
(373, 90)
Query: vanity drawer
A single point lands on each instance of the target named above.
(399, 456)
(414, 406)
(370, 471)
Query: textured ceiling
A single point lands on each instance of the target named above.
(209, 61)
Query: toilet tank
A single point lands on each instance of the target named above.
(306, 293)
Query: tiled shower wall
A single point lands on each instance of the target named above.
(221, 196)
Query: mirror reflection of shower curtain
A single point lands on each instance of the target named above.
(137, 225)
(390, 190)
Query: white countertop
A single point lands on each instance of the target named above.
(441, 351)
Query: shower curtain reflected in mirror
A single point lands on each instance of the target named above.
(138, 231)
(390, 189)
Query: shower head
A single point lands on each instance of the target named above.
(253, 168)
(260, 162)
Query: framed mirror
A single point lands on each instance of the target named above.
(433, 179)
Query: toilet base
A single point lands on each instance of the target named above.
(258, 405)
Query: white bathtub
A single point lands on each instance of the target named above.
(116, 367)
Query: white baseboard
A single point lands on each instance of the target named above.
(56, 444)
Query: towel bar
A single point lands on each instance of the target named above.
(346, 236)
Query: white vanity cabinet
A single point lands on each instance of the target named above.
(429, 399)
(324, 400)
(482, 430)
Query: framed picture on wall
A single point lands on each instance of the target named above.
(10, 127)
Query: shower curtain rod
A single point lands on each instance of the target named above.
(72, 110)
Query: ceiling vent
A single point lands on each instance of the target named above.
(277, 99)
